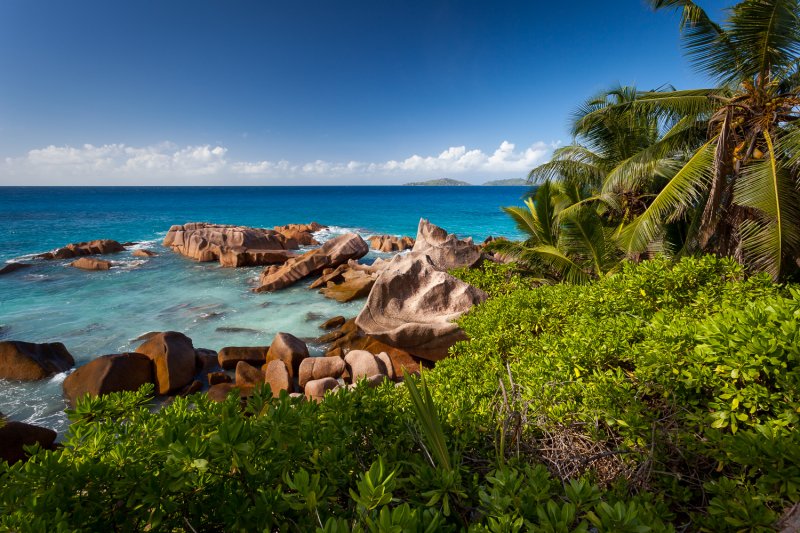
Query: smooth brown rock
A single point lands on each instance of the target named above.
(109, 373)
(214, 378)
(371, 382)
(219, 392)
(350, 289)
(276, 374)
(13, 267)
(330, 274)
(289, 349)
(362, 364)
(206, 242)
(413, 307)
(144, 253)
(26, 361)
(320, 367)
(78, 249)
(241, 257)
(248, 375)
(388, 365)
(334, 322)
(90, 263)
(230, 356)
(316, 389)
(445, 249)
(15, 435)
(331, 254)
(173, 358)
(206, 360)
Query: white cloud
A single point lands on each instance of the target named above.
(167, 163)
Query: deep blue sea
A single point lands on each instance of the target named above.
(96, 313)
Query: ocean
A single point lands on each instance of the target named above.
(97, 313)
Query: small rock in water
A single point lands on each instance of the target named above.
(235, 329)
(332, 323)
(311, 316)
(13, 267)
(211, 316)
(144, 253)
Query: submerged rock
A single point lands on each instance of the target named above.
(174, 360)
(413, 305)
(109, 373)
(26, 361)
(78, 249)
(13, 267)
(90, 263)
(331, 254)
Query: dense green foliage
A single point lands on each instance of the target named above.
(664, 397)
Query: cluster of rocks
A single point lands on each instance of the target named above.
(390, 243)
(237, 246)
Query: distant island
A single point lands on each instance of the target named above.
(439, 183)
(447, 182)
(511, 182)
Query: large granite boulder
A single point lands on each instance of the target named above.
(320, 367)
(14, 436)
(78, 249)
(362, 364)
(276, 374)
(333, 253)
(445, 249)
(315, 389)
(174, 360)
(289, 349)
(239, 256)
(302, 234)
(413, 305)
(230, 356)
(26, 361)
(390, 243)
(109, 373)
(90, 263)
(233, 245)
(248, 374)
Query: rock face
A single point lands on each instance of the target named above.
(333, 253)
(289, 349)
(390, 243)
(240, 257)
(109, 373)
(90, 263)
(356, 284)
(412, 306)
(320, 367)
(15, 435)
(78, 249)
(248, 375)
(445, 250)
(231, 245)
(276, 374)
(26, 361)
(173, 359)
(230, 355)
(13, 267)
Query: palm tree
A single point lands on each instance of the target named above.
(565, 239)
(738, 189)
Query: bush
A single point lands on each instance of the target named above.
(664, 397)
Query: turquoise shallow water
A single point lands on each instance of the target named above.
(95, 313)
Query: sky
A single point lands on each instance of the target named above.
(245, 92)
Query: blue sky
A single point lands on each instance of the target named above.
(310, 92)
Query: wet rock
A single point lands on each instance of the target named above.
(276, 374)
(248, 375)
(316, 389)
(173, 358)
(334, 322)
(90, 263)
(320, 367)
(13, 267)
(26, 361)
(445, 250)
(109, 373)
(311, 316)
(289, 349)
(215, 378)
(230, 356)
(331, 254)
(413, 305)
(78, 249)
(142, 252)
(235, 329)
(14, 436)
